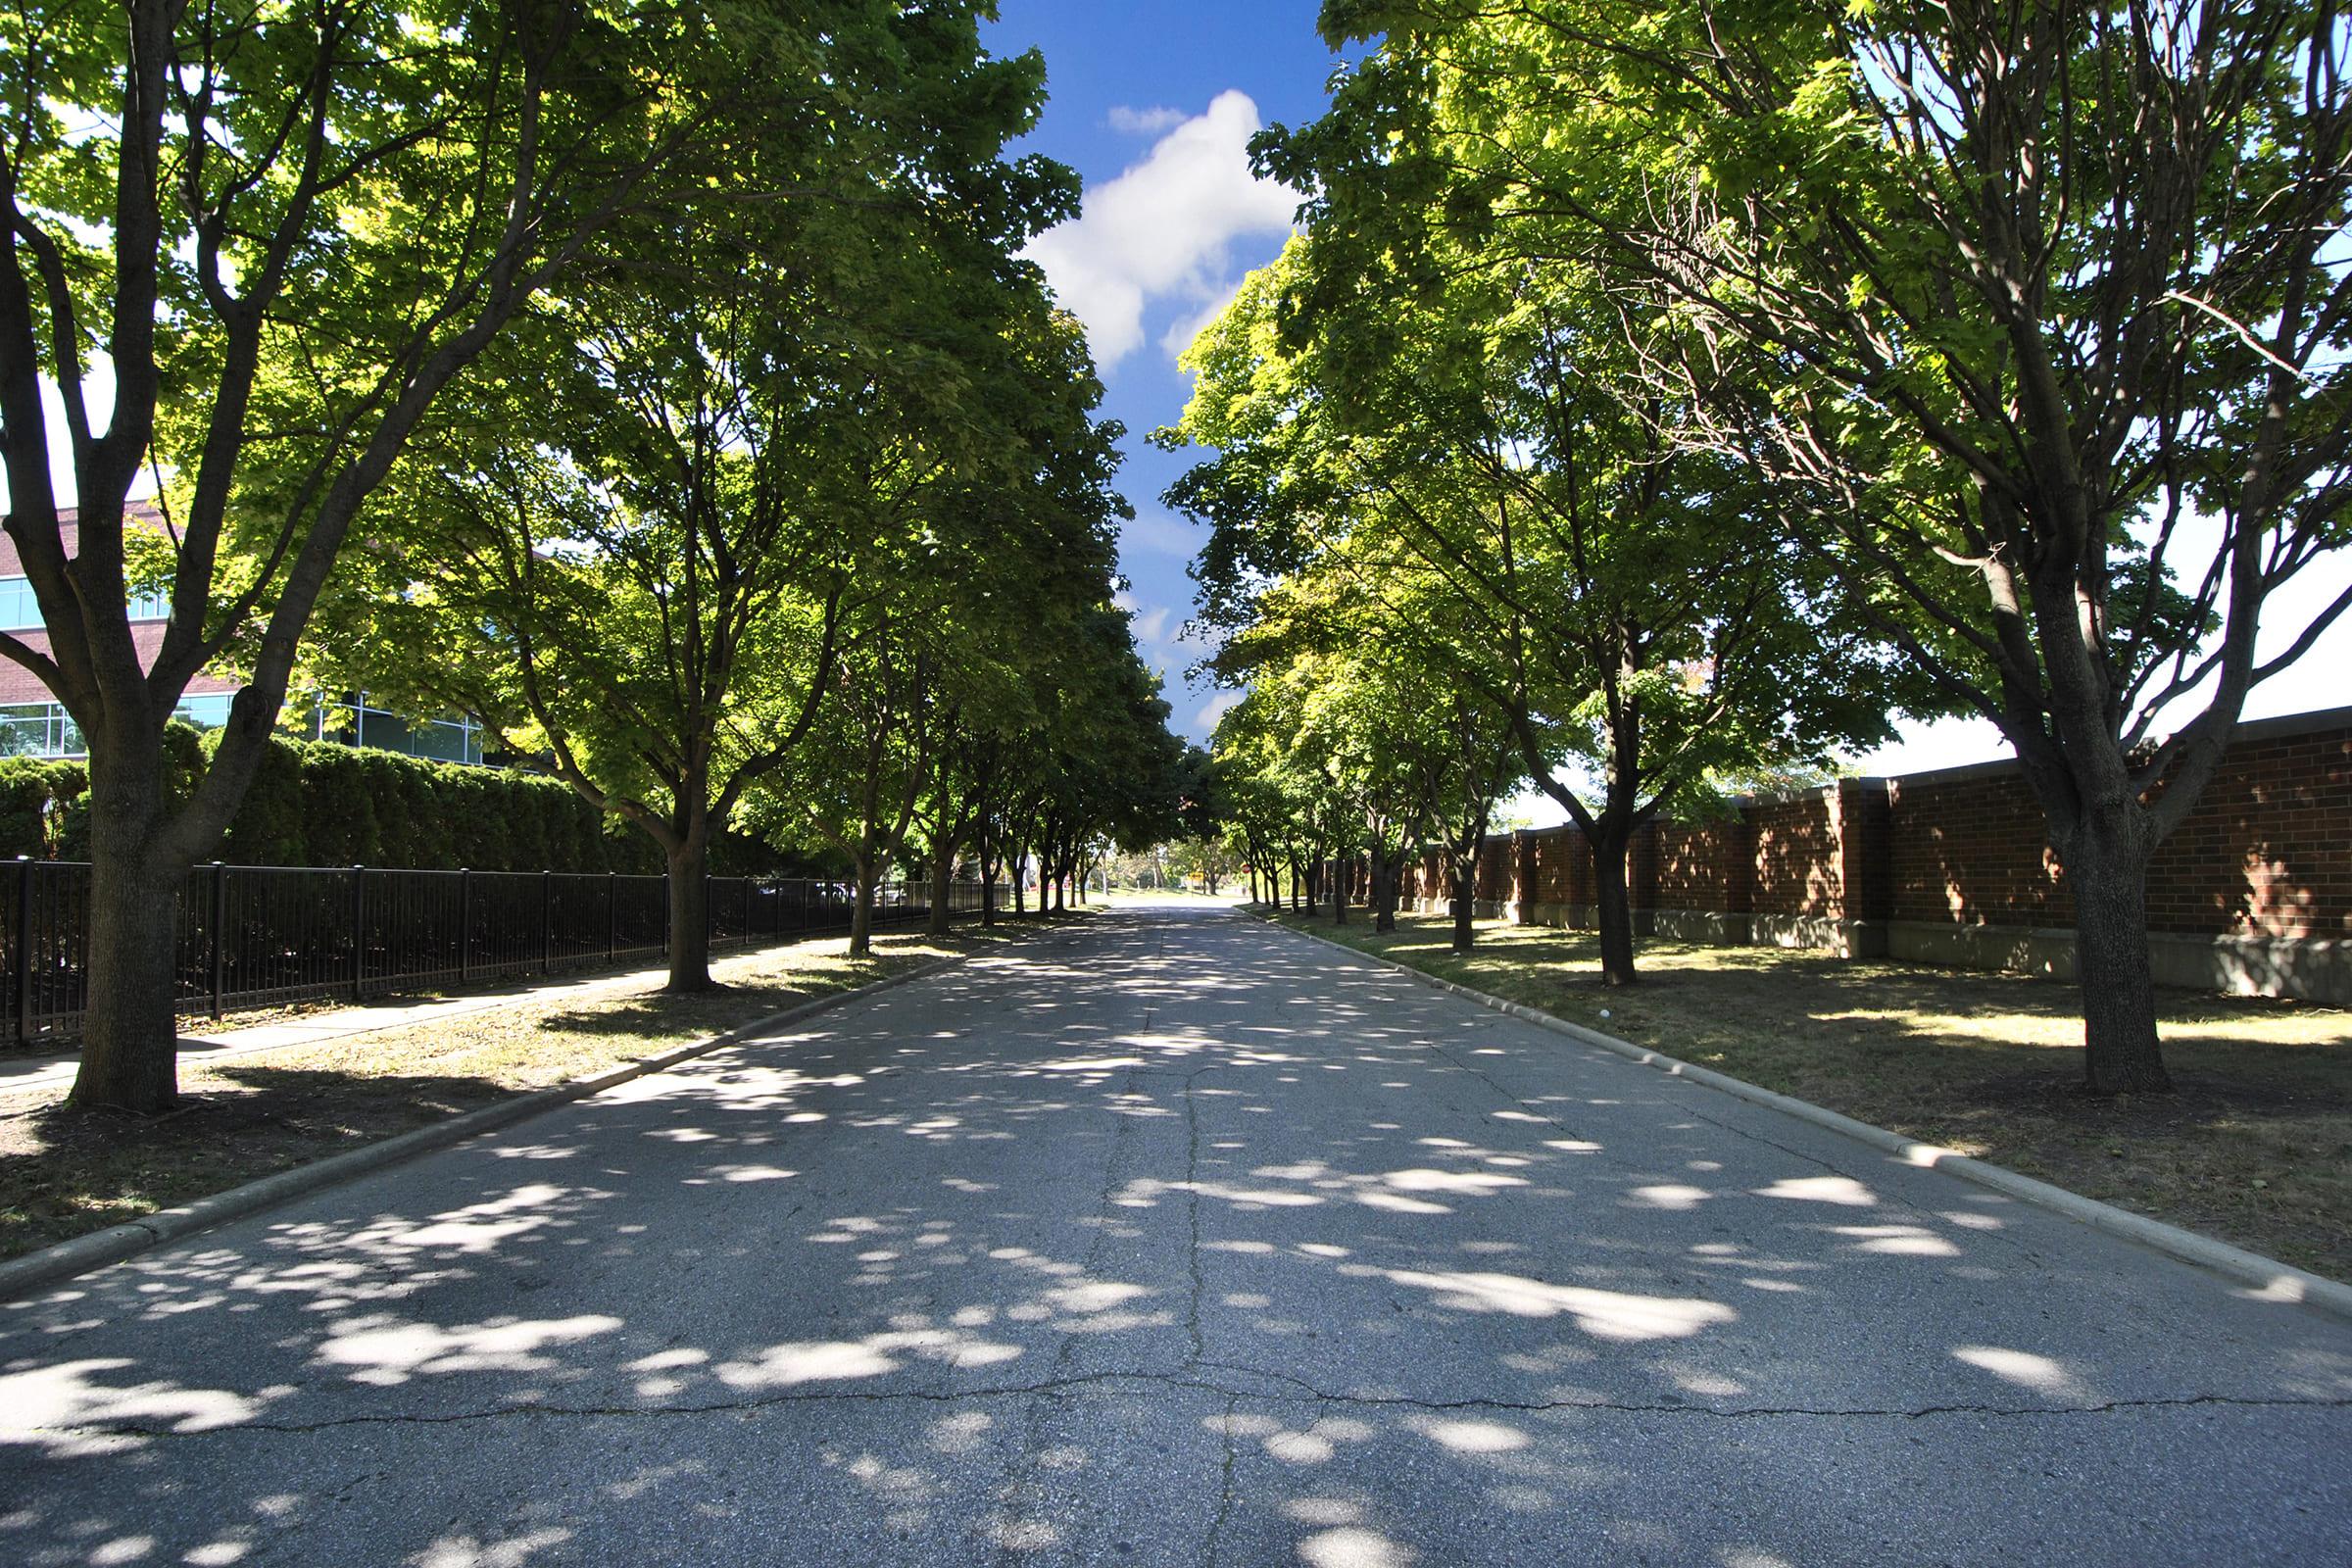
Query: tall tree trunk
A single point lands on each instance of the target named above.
(1384, 876)
(942, 877)
(2108, 877)
(689, 870)
(861, 913)
(1614, 905)
(1342, 870)
(991, 850)
(1465, 905)
(130, 1046)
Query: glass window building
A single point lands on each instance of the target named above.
(43, 728)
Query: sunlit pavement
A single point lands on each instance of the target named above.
(1168, 1239)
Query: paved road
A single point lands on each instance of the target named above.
(1171, 1240)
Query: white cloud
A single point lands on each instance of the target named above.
(1169, 645)
(1206, 719)
(1162, 233)
(1179, 335)
(1150, 622)
(1160, 533)
(1146, 122)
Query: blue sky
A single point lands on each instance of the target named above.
(1152, 103)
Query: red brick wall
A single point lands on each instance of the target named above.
(1705, 867)
(1797, 869)
(1972, 850)
(2268, 852)
(1865, 816)
(1560, 859)
(1494, 869)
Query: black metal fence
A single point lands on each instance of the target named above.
(258, 936)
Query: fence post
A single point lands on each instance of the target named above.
(24, 948)
(547, 922)
(612, 916)
(359, 933)
(219, 963)
(465, 923)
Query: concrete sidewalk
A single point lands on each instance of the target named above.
(31, 1074)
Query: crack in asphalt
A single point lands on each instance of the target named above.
(1225, 1468)
(1023, 1485)
(1309, 1395)
(1192, 1192)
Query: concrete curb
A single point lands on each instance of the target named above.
(2269, 1279)
(22, 1275)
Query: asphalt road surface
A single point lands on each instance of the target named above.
(1167, 1238)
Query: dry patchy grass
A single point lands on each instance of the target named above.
(63, 1173)
(2256, 1146)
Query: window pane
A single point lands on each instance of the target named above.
(442, 742)
(20, 611)
(205, 712)
(23, 730)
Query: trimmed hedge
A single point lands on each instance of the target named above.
(40, 806)
(315, 803)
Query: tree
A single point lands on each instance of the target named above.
(1113, 776)
(1482, 442)
(662, 594)
(2054, 298)
(881, 737)
(1379, 678)
(1280, 787)
(289, 233)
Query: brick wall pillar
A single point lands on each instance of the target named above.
(1860, 821)
(1641, 878)
(1580, 894)
(1740, 864)
(1523, 876)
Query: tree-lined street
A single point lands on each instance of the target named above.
(1167, 1238)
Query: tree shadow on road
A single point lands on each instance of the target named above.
(1115, 1254)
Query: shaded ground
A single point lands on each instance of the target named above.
(63, 1174)
(1167, 1238)
(2256, 1148)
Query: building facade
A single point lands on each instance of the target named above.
(34, 723)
